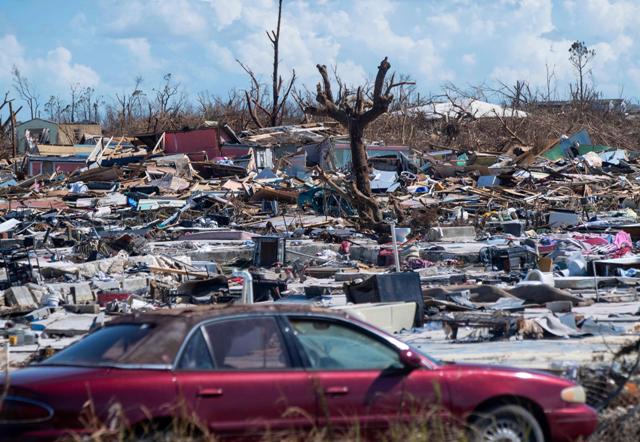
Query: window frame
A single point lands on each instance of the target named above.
(283, 328)
(346, 324)
(107, 364)
(207, 344)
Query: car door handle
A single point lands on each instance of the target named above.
(209, 392)
(336, 391)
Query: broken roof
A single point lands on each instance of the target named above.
(294, 134)
(474, 108)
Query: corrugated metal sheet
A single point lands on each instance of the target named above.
(42, 203)
(193, 141)
(235, 151)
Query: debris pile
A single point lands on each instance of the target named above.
(529, 245)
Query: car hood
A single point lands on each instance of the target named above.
(520, 372)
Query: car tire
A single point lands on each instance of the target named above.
(511, 423)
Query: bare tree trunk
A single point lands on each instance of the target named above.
(359, 157)
(277, 108)
(581, 86)
(355, 117)
(14, 141)
(275, 40)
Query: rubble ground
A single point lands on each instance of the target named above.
(527, 258)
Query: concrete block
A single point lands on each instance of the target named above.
(106, 286)
(20, 296)
(135, 284)
(366, 253)
(81, 293)
(65, 324)
(37, 291)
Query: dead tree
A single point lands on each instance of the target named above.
(8, 141)
(54, 108)
(75, 101)
(230, 109)
(580, 56)
(164, 110)
(355, 111)
(26, 92)
(89, 104)
(256, 105)
(129, 105)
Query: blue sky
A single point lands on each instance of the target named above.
(107, 43)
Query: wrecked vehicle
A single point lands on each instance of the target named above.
(241, 369)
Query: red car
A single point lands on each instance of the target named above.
(240, 370)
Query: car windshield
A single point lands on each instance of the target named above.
(107, 346)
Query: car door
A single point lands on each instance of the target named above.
(358, 377)
(240, 377)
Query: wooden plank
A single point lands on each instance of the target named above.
(179, 272)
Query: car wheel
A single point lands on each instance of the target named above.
(506, 423)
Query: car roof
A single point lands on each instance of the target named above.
(172, 326)
(196, 314)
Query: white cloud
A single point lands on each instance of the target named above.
(527, 58)
(11, 54)
(525, 52)
(350, 73)
(178, 17)
(469, 59)
(56, 69)
(223, 56)
(226, 12)
(373, 29)
(609, 17)
(505, 40)
(126, 15)
(633, 73)
(443, 24)
(181, 17)
(58, 64)
(534, 16)
(569, 5)
(609, 52)
(307, 38)
(140, 49)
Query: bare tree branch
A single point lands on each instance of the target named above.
(252, 111)
(25, 91)
(274, 111)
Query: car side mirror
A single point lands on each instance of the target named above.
(410, 359)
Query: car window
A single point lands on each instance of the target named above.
(247, 344)
(110, 344)
(196, 354)
(331, 346)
